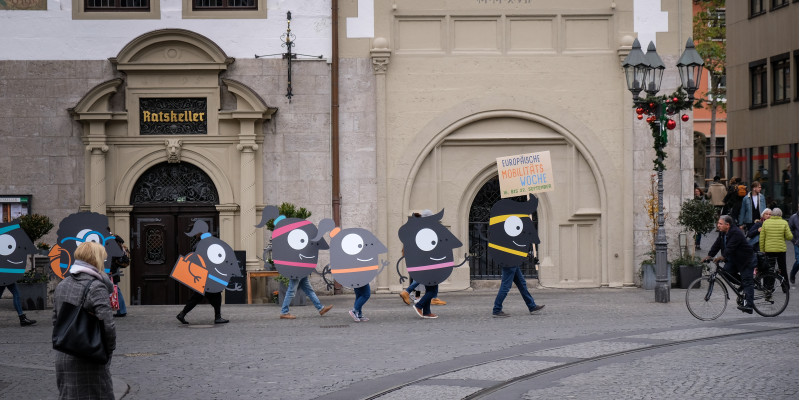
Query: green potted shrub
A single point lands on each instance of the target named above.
(33, 284)
(696, 216)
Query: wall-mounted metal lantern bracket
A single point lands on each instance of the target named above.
(288, 42)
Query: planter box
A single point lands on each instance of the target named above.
(649, 276)
(688, 273)
(32, 295)
(299, 296)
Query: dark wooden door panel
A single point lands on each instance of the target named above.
(158, 238)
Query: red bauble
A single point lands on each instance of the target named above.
(639, 116)
(640, 111)
(671, 124)
(652, 105)
(650, 119)
(684, 117)
(675, 99)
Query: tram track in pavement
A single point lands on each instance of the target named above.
(645, 343)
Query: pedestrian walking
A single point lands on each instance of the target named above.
(78, 378)
(774, 234)
(305, 285)
(355, 262)
(16, 248)
(117, 264)
(752, 205)
(733, 200)
(428, 252)
(23, 320)
(405, 294)
(754, 233)
(793, 229)
(512, 236)
(214, 263)
(716, 194)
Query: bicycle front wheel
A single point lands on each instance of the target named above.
(770, 294)
(706, 298)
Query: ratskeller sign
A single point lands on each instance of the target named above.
(173, 116)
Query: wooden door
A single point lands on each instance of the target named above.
(157, 239)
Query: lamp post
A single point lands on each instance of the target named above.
(644, 72)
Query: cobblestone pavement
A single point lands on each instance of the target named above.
(259, 356)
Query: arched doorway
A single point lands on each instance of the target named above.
(167, 199)
(481, 267)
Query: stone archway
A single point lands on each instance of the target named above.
(454, 155)
(167, 200)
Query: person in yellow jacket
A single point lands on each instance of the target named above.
(774, 234)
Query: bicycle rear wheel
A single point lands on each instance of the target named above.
(770, 294)
(706, 298)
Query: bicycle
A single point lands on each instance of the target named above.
(707, 296)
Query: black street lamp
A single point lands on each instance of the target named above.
(644, 72)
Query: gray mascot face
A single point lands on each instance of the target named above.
(428, 249)
(219, 260)
(86, 227)
(15, 246)
(295, 247)
(355, 256)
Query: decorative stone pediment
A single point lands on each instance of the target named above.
(171, 49)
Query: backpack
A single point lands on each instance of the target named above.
(742, 190)
(124, 260)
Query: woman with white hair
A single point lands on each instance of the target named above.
(774, 234)
(754, 232)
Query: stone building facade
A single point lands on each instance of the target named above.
(430, 93)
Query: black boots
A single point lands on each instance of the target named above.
(180, 317)
(24, 321)
(219, 320)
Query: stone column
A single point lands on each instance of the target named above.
(247, 196)
(96, 173)
(380, 61)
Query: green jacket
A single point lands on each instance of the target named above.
(774, 234)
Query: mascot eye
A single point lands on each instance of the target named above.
(89, 238)
(298, 239)
(427, 239)
(513, 226)
(216, 254)
(352, 244)
(7, 245)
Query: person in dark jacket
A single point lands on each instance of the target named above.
(117, 263)
(754, 233)
(738, 255)
(78, 378)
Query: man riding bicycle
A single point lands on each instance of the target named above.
(738, 255)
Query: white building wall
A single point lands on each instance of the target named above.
(54, 35)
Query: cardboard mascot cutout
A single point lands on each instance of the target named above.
(15, 246)
(428, 249)
(76, 229)
(355, 254)
(511, 231)
(295, 242)
(210, 266)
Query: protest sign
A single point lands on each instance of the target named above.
(525, 173)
